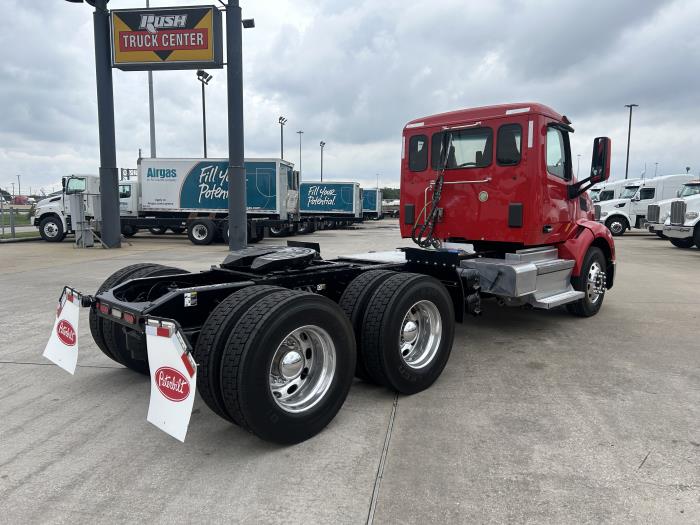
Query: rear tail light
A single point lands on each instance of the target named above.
(129, 318)
(103, 308)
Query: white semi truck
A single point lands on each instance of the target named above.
(659, 212)
(184, 195)
(682, 226)
(606, 191)
(629, 211)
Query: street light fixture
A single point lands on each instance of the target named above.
(282, 122)
(322, 144)
(204, 78)
(300, 133)
(629, 133)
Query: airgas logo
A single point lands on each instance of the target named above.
(161, 173)
(152, 23)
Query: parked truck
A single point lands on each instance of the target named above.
(277, 333)
(186, 195)
(372, 203)
(629, 211)
(682, 226)
(659, 212)
(610, 190)
(331, 203)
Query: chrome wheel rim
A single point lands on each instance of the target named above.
(302, 369)
(616, 227)
(420, 334)
(200, 232)
(51, 229)
(595, 285)
(276, 229)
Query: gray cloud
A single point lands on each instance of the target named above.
(352, 74)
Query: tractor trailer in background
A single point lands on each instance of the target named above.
(185, 195)
(489, 196)
(372, 203)
(333, 204)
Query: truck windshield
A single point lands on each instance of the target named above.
(630, 191)
(690, 189)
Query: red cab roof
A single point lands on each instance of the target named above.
(482, 113)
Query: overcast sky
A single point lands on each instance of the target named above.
(352, 73)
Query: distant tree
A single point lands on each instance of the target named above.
(390, 193)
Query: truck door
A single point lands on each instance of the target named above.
(127, 199)
(558, 210)
(638, 207)
(72, 186)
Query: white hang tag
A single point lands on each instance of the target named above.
(173, 380)
(62, 348)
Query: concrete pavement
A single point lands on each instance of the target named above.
(538, 417)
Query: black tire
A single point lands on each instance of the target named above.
(129, 231)
(279, 231)
(212, 341)
(201, 231)
(696, 236)
(51, 229)
(683, 243)
(588, 306)
(178, 230)
(617, 225)
(660, 235)
(354, 302)
(383, 324)
(95, 321)
(248, 359)
(306, 227)
(158, 230)
(115, 334)
(223, 232)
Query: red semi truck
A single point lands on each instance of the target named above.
(278, 333)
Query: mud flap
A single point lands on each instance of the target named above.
(62, 348)
(173, 378)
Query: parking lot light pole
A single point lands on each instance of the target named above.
(300, 133)
(204, 78)
(282, 122)
(322, 144)
(629, 134)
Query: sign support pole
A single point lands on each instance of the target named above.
(109, 179)
(237, 218)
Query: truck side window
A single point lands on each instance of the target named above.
(75, 185)
(556, 153)
(646, 193)
(606, 195)
(471, 148)
(418, 153)
(124, 191)
(508, 145)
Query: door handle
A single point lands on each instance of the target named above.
(547, 228)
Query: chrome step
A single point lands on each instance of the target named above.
(558, 299)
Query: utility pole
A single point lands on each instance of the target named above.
(237, 217)
(578, 164)
(282, 122)
(656, 166)
(13, 189)
(151, 109)
(322, 144)
(300, 133)
(629, 134)
(204, 78)
(19, 186)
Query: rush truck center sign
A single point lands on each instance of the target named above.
(166, 38)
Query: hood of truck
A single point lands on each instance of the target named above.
(611, 204)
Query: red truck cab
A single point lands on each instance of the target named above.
(507, 181)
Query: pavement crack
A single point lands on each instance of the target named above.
(382, 461)
(644, 460)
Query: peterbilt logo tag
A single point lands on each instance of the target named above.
(66, 333)
(172, 384)
(152, 23)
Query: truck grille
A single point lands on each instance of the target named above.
(596, 211)
(678, 212)
(653, 212)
